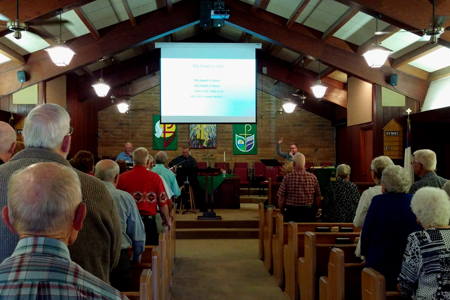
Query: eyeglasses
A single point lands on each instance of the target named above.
(70, 131)
(83, 200)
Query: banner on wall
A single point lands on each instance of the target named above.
(165, 136)
(244, 139)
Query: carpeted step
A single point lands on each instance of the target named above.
(252, 199)
(217, 233)
(227, 224)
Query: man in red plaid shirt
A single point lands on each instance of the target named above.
(299, 193)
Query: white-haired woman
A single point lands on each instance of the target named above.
(388, 223)
(425, 271)
(341, 197)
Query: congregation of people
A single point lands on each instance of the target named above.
(50, 202)
(405, 226)
(67, 225)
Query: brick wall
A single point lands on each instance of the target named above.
(305, 128)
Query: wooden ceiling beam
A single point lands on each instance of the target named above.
(263, 26)
(413, 14)
(87, 71)
(129, 13)
(11, 54)
(169, 6)
(134, 69)
(373, 40)
(326, 72)
(36, 9)
(415, 54)
(151, 26)
(80, 13)
(439, 74)
(44, 34)
(255, 6)
(297, 12)
(414, 71)
(350, 13)
(141, 85)
(297, 62)
(280, 70)
(245, 37)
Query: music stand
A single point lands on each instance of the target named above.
(191, 175)
(270, 163)
(209, 215)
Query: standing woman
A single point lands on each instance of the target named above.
(425, 271)
(388, 223)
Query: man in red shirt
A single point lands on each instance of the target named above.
(148, 191)
(299, 193)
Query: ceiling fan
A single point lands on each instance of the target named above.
(433, 32)
(17, 26)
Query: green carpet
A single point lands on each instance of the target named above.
(221, 269)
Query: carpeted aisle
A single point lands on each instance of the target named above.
(221, 269)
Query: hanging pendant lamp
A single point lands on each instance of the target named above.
(60, 54)
(377, 55)
(319, 88)
(101, 88)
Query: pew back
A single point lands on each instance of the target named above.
(373, 286)
(261, 231)
(269, 229)
(145, 287)
(314, 263)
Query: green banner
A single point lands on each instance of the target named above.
(165, 136)
(244, 139)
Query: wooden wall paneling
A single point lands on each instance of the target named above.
(84, 120)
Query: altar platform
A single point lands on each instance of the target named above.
(235, 224)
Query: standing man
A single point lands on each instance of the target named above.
(185, 160)
(126, 155)
(293, 147)
(7, 142)
(47, 137)
(147, 189)
(133, 231)
(424, 163)
(299, 193)
(47, 219)
(161, 159)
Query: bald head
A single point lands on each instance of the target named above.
(299, 161)
(47, 207)
(7, 141)
(107, 170)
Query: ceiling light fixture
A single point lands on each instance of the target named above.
(289, 106)
(377, 55)
(60, 54)
(101, 88)
(319, 89)
(122, 107)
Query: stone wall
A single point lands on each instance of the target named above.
(308, 130)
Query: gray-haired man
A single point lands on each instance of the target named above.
(47, 137)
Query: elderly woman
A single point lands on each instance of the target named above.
(84, 162)
(425, 271)
(388, 223)
(376, 170)
(341, 197)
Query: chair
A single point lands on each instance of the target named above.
(326, 164)
(202, 165)
(274, 175)
(243, 165)
(223, 166)
(308, 165)
(260, 174)
(243, 174)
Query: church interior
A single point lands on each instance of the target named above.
(302, 42)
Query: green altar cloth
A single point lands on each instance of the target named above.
(218, 179)
(324, 176)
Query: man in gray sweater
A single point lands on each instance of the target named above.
(47, 137)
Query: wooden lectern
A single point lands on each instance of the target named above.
(209, 215)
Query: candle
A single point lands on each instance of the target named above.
(224, 156)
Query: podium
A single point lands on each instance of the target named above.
(209, 215)
(270, 163)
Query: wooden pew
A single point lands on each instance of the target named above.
(261, 231)
(145, 287)
(314, 262)
(269, 221)
(280, 239)
(151, 260)
(373, 286)
(343, 277)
